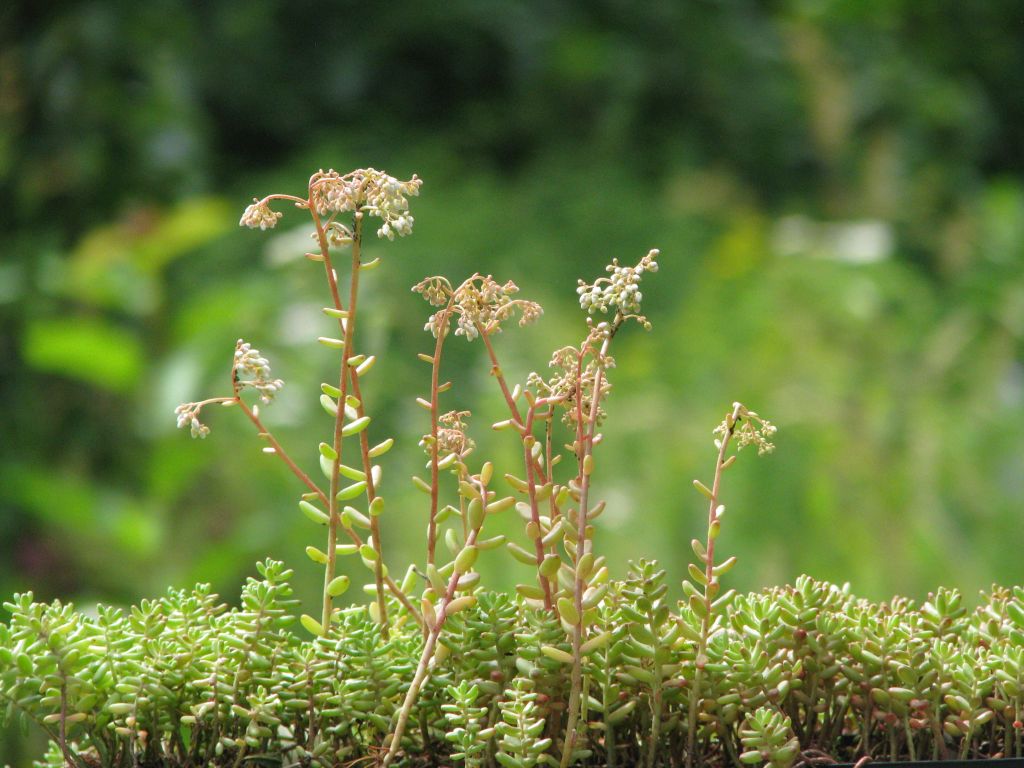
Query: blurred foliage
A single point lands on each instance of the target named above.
(835, 187)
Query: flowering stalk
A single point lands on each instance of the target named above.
(619, 294)
(582, 547)
(479, 305)
(538, 471)
(435, 448)
(534, 528)
(363, 193)
(348, 374)
(749, 429)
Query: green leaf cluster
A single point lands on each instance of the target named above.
(184, 680)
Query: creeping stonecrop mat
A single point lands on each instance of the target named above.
(576, 667)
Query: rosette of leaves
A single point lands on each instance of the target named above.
(747, 670)
(609, 699)
(481, 642)
(541, 646)
(46, 654)
(373, 672)
(943, 616)
(966, 702)
(306, 694)
(1006, 665)
(647, 654)
(520, 729)
(767, 737)
(804, 611)
(466, 723)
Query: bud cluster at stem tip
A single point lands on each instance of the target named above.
(621, 291)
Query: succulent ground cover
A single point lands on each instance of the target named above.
(790, 672)
(576, 667)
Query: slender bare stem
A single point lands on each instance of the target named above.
(299, 202)
(435, 394)
(280, 451)
(497, 373)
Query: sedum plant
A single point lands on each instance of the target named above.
(579, 666)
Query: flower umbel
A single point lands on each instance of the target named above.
(620, 292)
(251, 363)
(259, 216)
(748, 429)
(480, 304)
(188, 416)
(452, 437)
(370, 191)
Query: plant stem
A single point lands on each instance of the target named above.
(435, 374)
(434, 632)
(393, 588)
(709, 565)
(64, 720)
(585, 448)
(348, 324)
(656, 705)
(532, 465)
(279, 450)
(513, 409)
(531, 482)
(371, 494)
(497, 373)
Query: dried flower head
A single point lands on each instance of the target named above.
(250, 363)
(748, 429)
(480, 305)
(569, 378)
(259, 216)
(436, 290)
(451, 436)
(620, 292)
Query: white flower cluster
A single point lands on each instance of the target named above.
(371, 191)
(188, 415)
(249, 362)
(259, 216)
(748, 429)
(620, 292)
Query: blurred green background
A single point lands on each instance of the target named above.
(835, 186)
